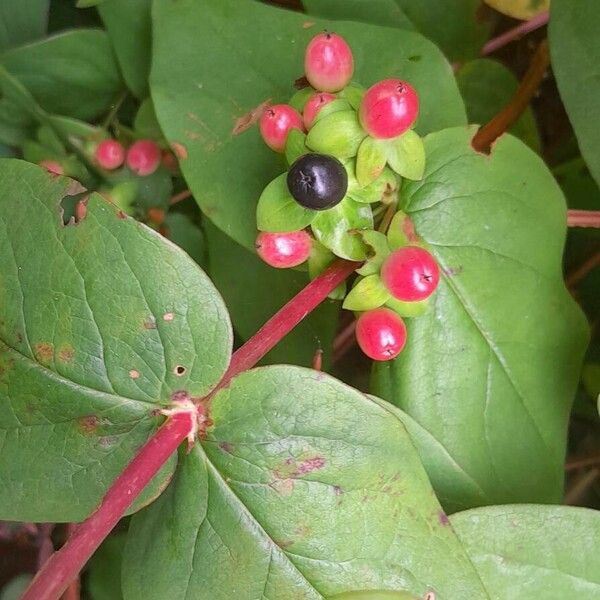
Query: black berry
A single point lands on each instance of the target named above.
(317, 181)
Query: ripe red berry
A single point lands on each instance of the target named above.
(283, 250)
(275, 124)
(328, 62)
(313, 105)
(109, 154)
(143, 157)
(52, 166)
(389, 108)
(410, 274)
(381, 334)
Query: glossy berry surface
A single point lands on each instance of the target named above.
(313, 105)
(381, 334)
(410, 274)
(317, 181)
(283, 250)
(143, 157)
(328, 62)
(276, 123)
(109, 154)
(389, 108)
(52, 166)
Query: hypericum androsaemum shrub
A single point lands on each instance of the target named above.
(192, 187)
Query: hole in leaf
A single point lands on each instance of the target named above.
(73, 208)
(179, 370)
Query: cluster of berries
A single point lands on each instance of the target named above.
(348, 150)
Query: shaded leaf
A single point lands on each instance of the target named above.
(406, 155)
(104, 569)
(22, 21)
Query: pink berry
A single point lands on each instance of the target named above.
(381, 334)
(143, 157)
(109, 154)
(283, 250)
(410, 274)
(52, 166)
(328, 62)
(389, 108)
(275, 124)
(313, 105)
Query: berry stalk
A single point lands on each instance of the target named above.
(583, 218)
(516, 32)
(64, 565)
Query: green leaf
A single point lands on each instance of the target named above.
(496, 226)
(104, 569)
(375, 595)
(22, 21)
(145, 123)
(487, 86)
(295, 146)
(576, 65)
(72, 73)
(457, 29)
(548, 552)
(129, 27)
(377, 251)
(278, 211)
(15, 588)
(338, 133)
(254, 292)
(370, 161)
(401, 231)
(300, 98)
(338, 228)
(198, 102)
(338, 105)
(94, 320)
(408, 309)
(354, 93)
(303, 488)
(182, 231)
(406, 155)
(385, 185)
(367, 294)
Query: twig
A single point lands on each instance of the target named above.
(579, 463)
(581, 486)
(488, 134)
(46, 548)
(114, 110)
(64, 565)
(73, 591)
(515, 33)
(580, 273)
(180, 196)
(583, 218)
(343, 341)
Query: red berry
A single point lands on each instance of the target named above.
(389, 108)
(52, 166)
(313, 105)
(143, 157)
(328, 62)
(283, 250)
(109, 154)
(381, 334)
(410, 274)
(275, 124)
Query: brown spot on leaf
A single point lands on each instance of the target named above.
(43, 352)
(284, 487)
(451, 271)
(291, 468)
(337, 490)
(226, 447)
(443, 518)
(107, 441)
(88, 424)
(134, 374)
(66, 353)
(250, 118)
(179, 150)
(180, 396)
(19, 338)
(150, 323)
(168, 316)
(121, 215)
(179, 370)
(408, 228)
(308, 24)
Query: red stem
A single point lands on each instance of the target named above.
(516, 32)
(583, 218)
(64, 565)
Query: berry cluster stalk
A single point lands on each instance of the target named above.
(583, 218)
(515, 33)
(64, 565)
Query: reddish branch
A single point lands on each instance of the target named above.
(488, 134)
(179, 197)
(64, 565)
(583, 218)
(580, 273)
(515, 33)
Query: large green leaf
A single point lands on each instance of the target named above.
(575, 53)
(22, 21)
(490, 371)
(72, 73)
(454, 25)
(103, 572)
(302, 488)
(95, 319)
(130, 29)
(487, 86)
(209, 74)
(549, 552)
(254, 291)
